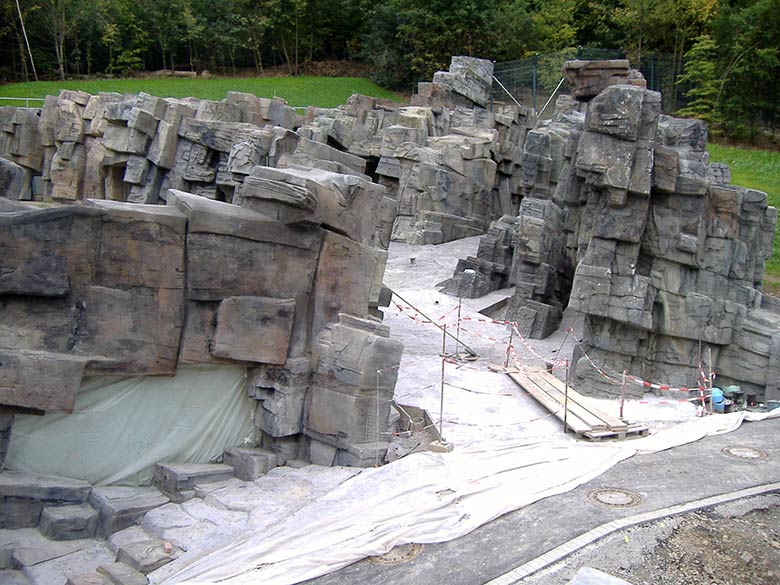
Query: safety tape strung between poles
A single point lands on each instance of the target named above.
(612, 378)
(523, 340)
(640, 381)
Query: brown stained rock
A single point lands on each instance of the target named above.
(347, 274)
(198, 334)
(140, 246)
(40, 380)
(254, 329)
(587, 79)
(137, 330)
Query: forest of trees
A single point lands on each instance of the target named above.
(724, 52)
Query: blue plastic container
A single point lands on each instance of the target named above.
(717, 400)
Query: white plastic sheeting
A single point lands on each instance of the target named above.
(121, 427)
(423, 498)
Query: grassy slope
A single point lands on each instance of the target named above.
(325, 92)
(756, 169)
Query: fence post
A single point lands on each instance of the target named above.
(533, 79)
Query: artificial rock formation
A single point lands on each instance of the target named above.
(141, 276)
(237, 231)
(451, 158)
(624, 220)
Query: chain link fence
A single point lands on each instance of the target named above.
(532, 80)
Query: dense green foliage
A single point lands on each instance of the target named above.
(719, 58)
(325, 92)
(755, 169)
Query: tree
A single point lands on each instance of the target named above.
(701, 77)
(410, 39)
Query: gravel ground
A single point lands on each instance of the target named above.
(732, 544)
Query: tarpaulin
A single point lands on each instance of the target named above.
(121, 427)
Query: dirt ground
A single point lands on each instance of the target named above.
(731, 544)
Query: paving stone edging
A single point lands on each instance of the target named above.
(560, 552)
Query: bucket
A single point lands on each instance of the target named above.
(717, 400)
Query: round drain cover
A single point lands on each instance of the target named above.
(741, 452)
(615, 497)
(403, 553)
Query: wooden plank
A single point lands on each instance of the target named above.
(635, 430)
(605, 420)
(593, 422)
(575, 423)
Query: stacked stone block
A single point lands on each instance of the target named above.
(116, 285)
(452, 159)
(135, 147)
(624, 219)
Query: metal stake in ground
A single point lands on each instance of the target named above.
(509, 346)
(442, 446)
(622, 394)
(457, 331)
(441, 396)
(709, 360)
(566, 400)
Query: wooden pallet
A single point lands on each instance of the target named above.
(583, 418)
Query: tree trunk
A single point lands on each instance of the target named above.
(23, 60)
(258, 60)
(286, 56)
(59, 49)
(27, 42)
(297, 20)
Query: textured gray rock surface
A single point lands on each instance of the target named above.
(451, 159)
(68, 522)
(204, 232)
(23, 496)
(624, 220)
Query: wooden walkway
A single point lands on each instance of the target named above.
(584, 419)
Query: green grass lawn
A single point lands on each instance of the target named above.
(326, 92)
(756, 169)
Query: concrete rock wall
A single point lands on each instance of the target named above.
(198, 232)
(624, 220)
(451, 158)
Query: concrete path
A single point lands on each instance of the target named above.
(664, 480)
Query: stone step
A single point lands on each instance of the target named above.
(249, 464)
(13, 577)
(91, 578)
(68, 522)
(57, 570)
(24, 495)
(147, 555)
(29, 547)
(119, 507)
(178, 480)
(122, 574)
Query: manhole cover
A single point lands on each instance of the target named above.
(400, 554)
(615, 498)
(741, 452)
